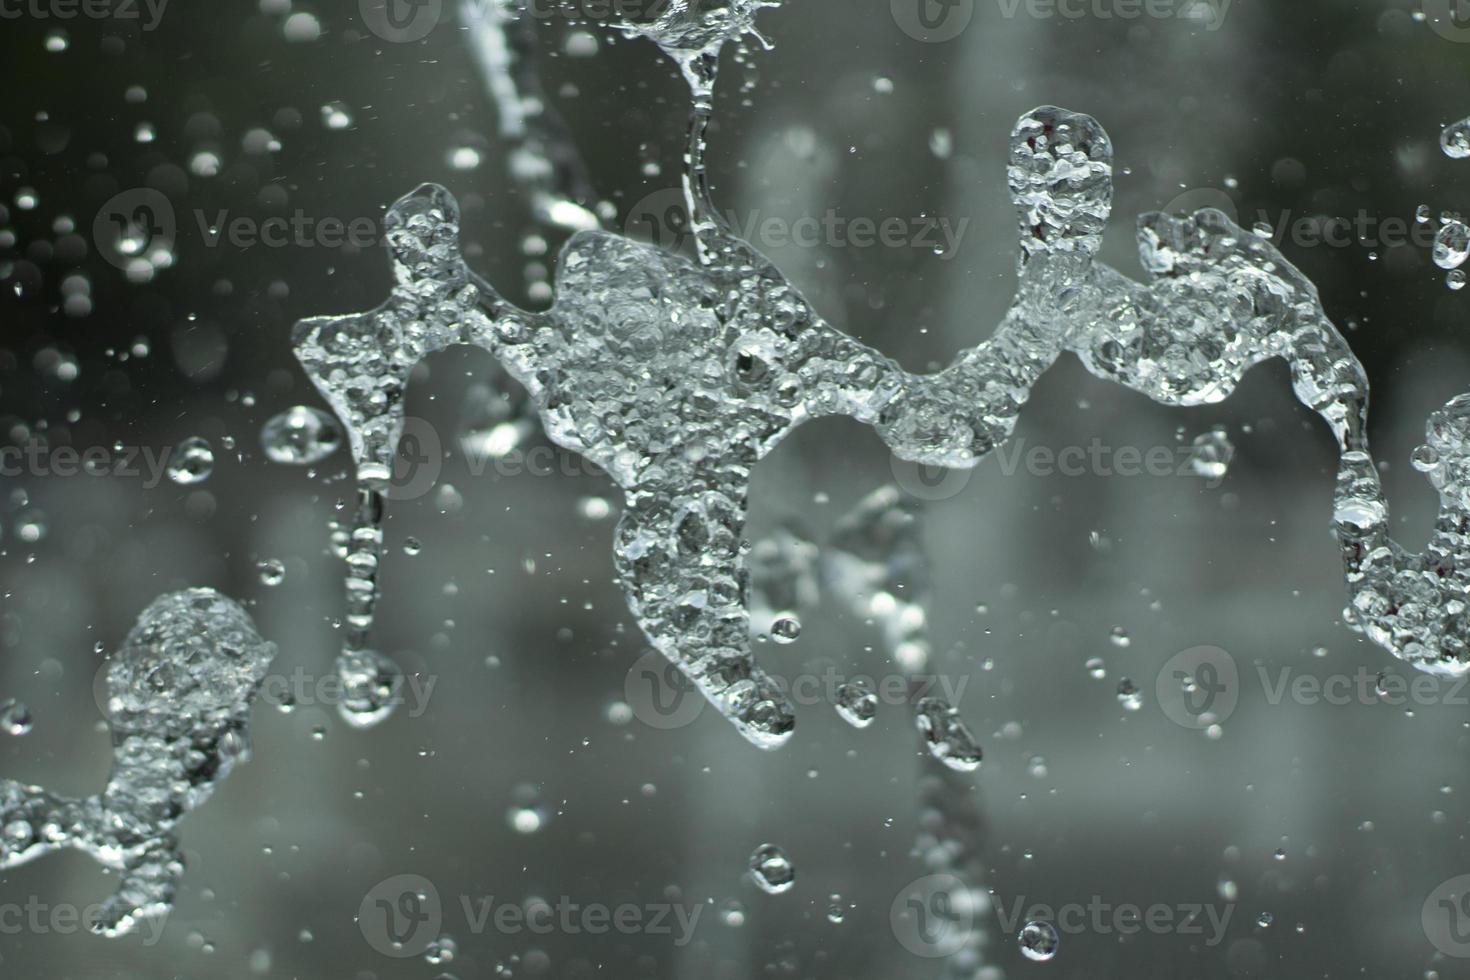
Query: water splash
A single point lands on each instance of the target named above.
(1413, 605)
(179, 695)
(677, 378)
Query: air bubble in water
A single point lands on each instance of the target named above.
(192, 462)
(1455, 140)
(412, 546)
(56, 42)
(336, 116)
(772, 869)
(1422, 214)
(1211, 453)
(1451, 245)
(1129, 696)
(1455, 279)
(1119, 637)
(15, 718)
(272, 572)
(1097, 669)
(300, 436)
(856, 704)
(786, 629)
(946, 736)
(1038, 941)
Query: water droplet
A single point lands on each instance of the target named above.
(1451, 245)
(1119, 637)
(15, 718)
(1265, 919)
(192, 462)
(272, 572)
(786, 629)
(1455, 279)
(732, 913)
(1210, 454)
(946, 736)
(336, 116)
(412, 546)
(1129, 696)
(856, 704)
(1097, 669)
(1038, 941)
(300, 436)
(1455, 140)
(771, 869)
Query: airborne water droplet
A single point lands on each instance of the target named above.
(1129, 696)
(300, 436)
(1211, 453)
(1451, 245)
(1038, 941)
(946, 736)
(786, 629)
(192, 462)
(856, 704)
(15, 718)
(1455, 140)
(771, 869)
(272, 572)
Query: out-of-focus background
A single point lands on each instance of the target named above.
(1313, 827)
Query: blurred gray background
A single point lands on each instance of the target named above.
(1294, 110)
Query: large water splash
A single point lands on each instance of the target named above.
(179, 695)
(678, 377)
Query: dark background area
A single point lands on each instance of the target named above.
(1299, 109)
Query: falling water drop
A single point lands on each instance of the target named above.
(1451, 245)
(15, 718)
(1455, 140)
(1129, 696)
(272, 572)
(856, 704)
(946, 736)
(1210, 454)
(192, 462)
(1038, 941)
(786, 629)
(772, 869)
(300, 436)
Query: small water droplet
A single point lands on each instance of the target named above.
(192, 462)
(1038, 941)
(15, 718)
(771, 869)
